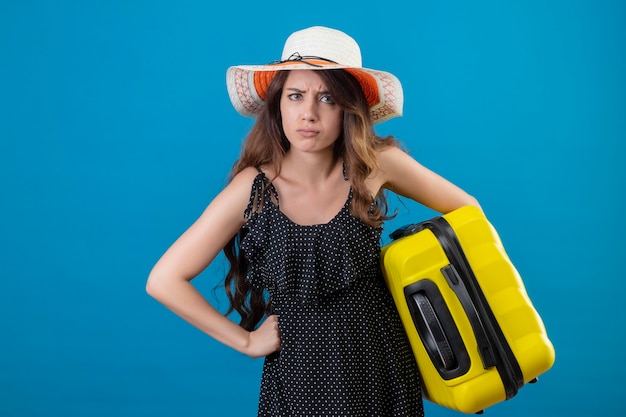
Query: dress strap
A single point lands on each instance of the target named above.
(261, 193)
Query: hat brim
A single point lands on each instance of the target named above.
(247, 86)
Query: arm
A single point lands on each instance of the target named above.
(170, 279)
(405, 176)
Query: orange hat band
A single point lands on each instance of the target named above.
(262, 80)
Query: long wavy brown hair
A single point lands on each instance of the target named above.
(266, 144)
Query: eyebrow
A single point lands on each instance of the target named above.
(297, 90)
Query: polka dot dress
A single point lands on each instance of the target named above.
(344, 351)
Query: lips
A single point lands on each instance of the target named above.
(308, 132)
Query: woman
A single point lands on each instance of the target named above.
(300, 222)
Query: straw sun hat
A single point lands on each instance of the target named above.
(316, 48)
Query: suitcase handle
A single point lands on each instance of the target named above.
(435, 337)
(406, 230)
(436, 328)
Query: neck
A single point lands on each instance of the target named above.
(309, 167)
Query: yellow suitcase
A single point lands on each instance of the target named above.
(475, 334)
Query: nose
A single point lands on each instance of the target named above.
(310, 110)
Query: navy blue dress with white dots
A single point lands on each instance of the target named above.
(344, 350)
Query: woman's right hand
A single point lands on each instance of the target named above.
(264, 340)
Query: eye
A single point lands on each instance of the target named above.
(294, 96)
(327, 98)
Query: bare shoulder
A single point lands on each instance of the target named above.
(235, 196)
(245, 178)
(392, 161)
(237, 192)
(380, 176)
(390, 155)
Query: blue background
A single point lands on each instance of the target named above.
(116, 131)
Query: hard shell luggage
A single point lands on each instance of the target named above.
(475, 334)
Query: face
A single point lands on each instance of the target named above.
(312, 121)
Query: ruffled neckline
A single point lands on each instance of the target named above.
(312, 261)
